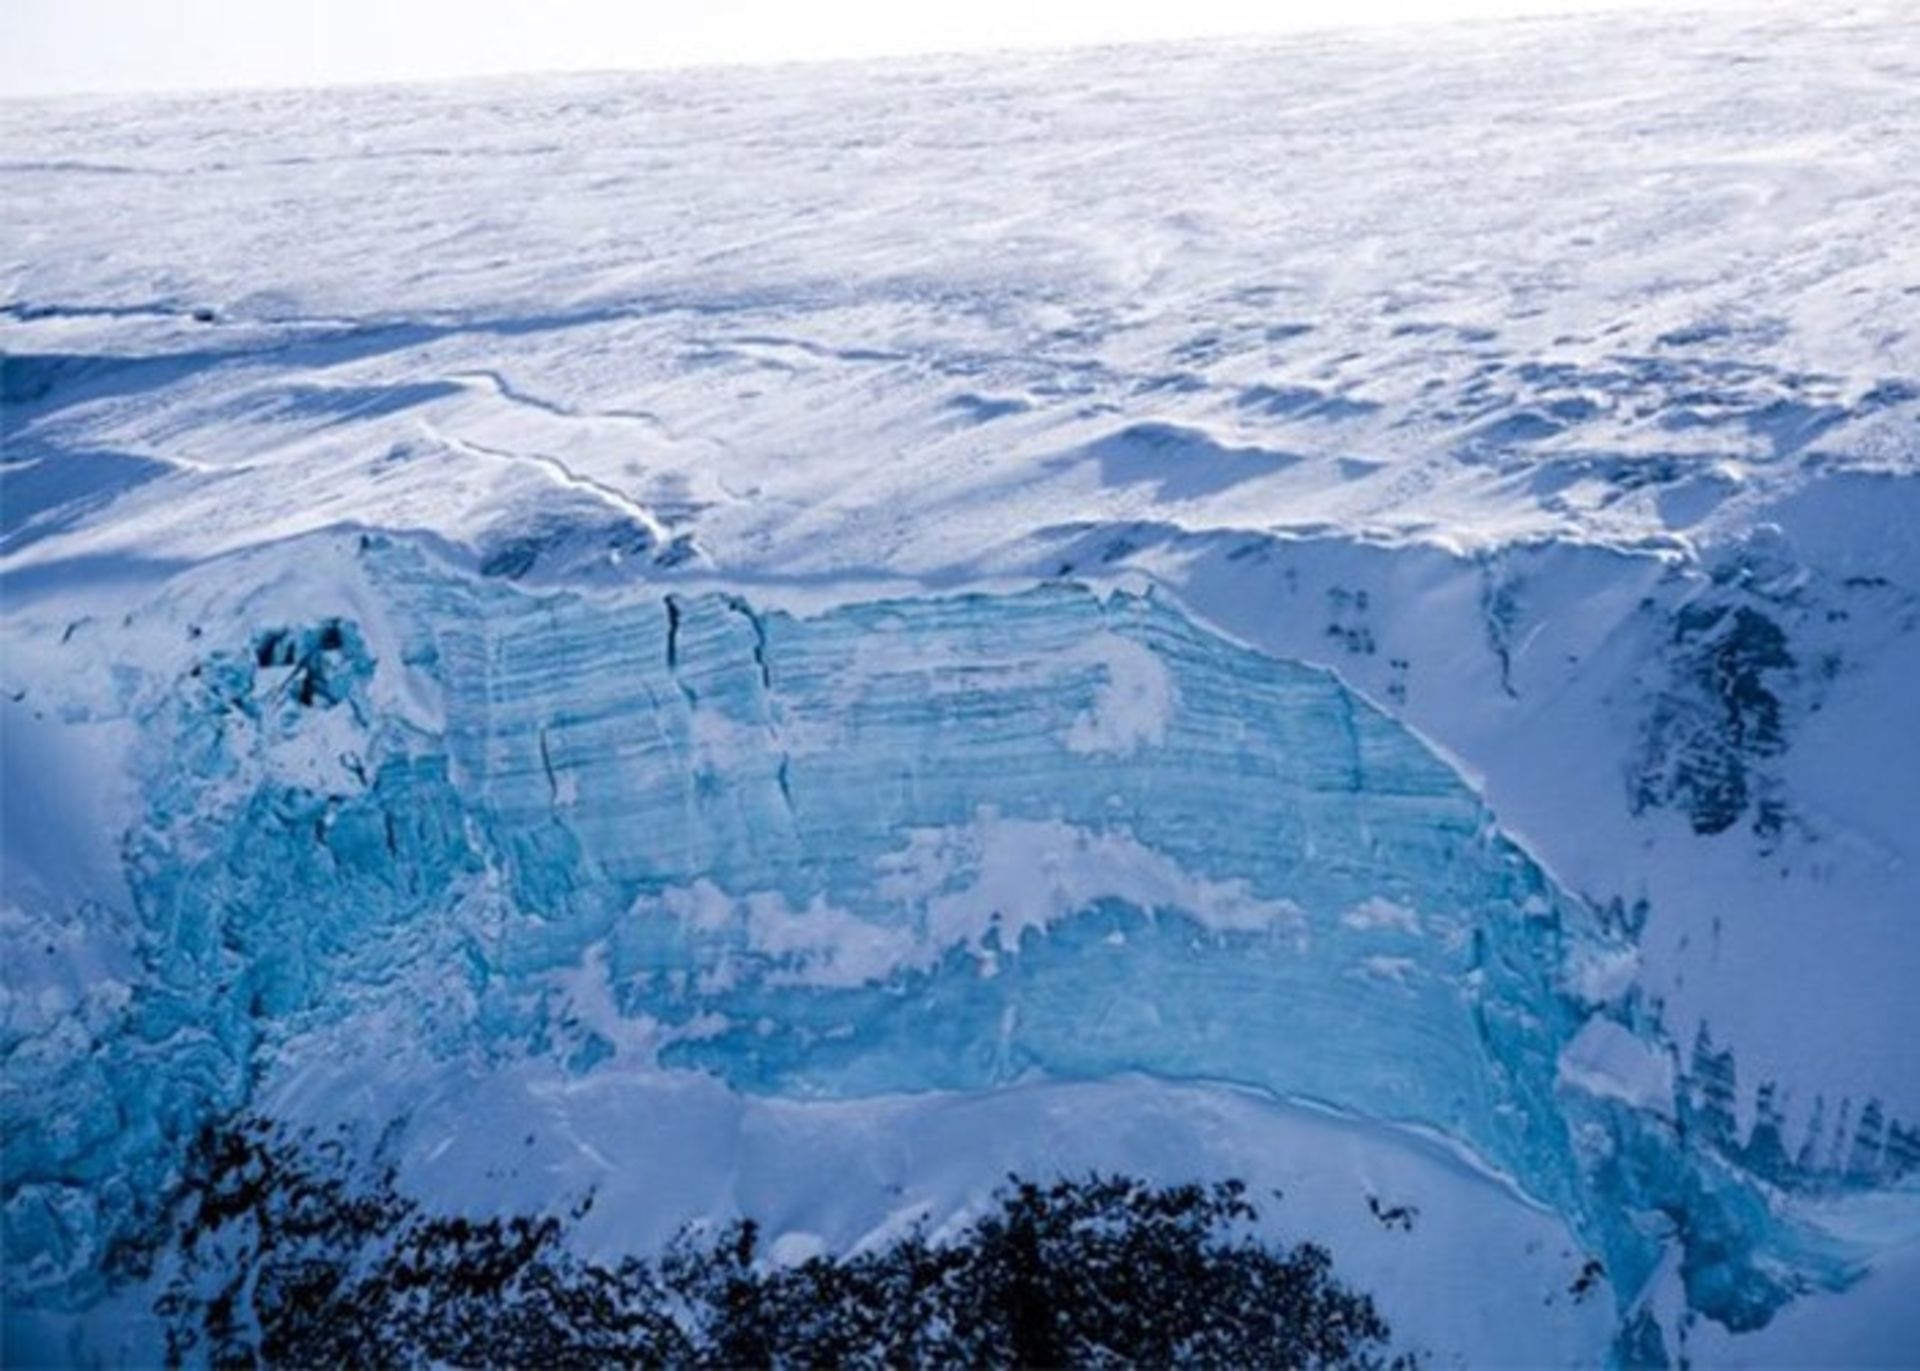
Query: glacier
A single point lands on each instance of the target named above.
(1337, 610)
(934, 843)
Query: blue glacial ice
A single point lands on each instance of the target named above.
(891, 846)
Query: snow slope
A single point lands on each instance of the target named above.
(1379, 570)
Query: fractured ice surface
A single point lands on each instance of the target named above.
(895, 846)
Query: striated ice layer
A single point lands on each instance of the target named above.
(897, 846)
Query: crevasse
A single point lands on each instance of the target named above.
(895, 846)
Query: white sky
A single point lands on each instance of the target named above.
(52, 46)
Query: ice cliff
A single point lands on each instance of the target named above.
(889, 846)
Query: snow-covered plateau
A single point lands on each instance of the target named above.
(1340, 611)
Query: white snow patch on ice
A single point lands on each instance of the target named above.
(956, 886)
(833, 947)
(1609, 1060)
(1022, 874)
(1135, 703)
(1378, 913)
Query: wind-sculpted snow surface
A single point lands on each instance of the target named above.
(896, 846)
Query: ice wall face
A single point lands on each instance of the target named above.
(930, 843)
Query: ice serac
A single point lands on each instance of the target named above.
(892, 846)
